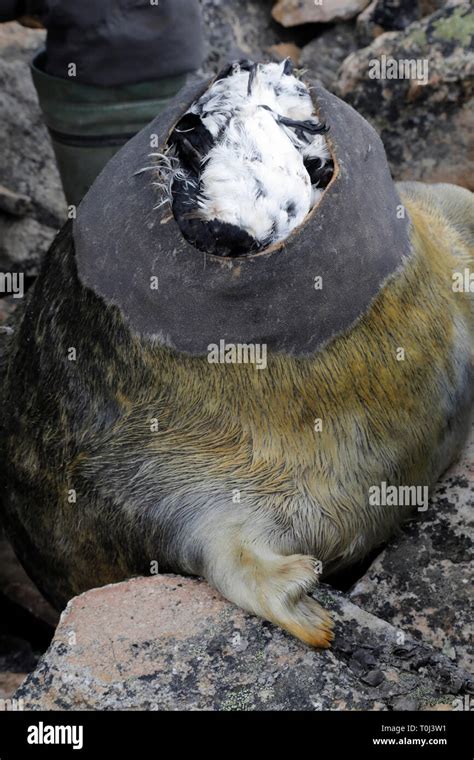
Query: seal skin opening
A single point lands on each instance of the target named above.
(354, 239)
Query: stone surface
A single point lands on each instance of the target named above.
(22, 243)
(422, 582)
(14, 203)
(426, 128)
(28, 164)
(237, 29)
(390, 15)
(174, 643)
(323, 56)
(295, 12)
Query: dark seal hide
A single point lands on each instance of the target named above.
(353, 240)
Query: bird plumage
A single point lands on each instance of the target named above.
(247, 161)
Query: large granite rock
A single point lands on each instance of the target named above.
(426, 127)
(173, 643)
(422, 582)
(28, 167)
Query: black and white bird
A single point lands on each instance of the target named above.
(247, 162)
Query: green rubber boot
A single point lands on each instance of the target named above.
(89, 124)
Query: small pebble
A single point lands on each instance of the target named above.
(373, 677)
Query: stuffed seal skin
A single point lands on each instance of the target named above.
(135, 433)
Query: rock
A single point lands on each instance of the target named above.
(22, 243)
(422, 581)
(323, 56)
(391, 15)
(18, 43)
(173, 643)
(14, 203)
(285, 50)
(362, 659)
(373, 677)
(425, 127)
(295, 12)
(28, 164)
(237, 29)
